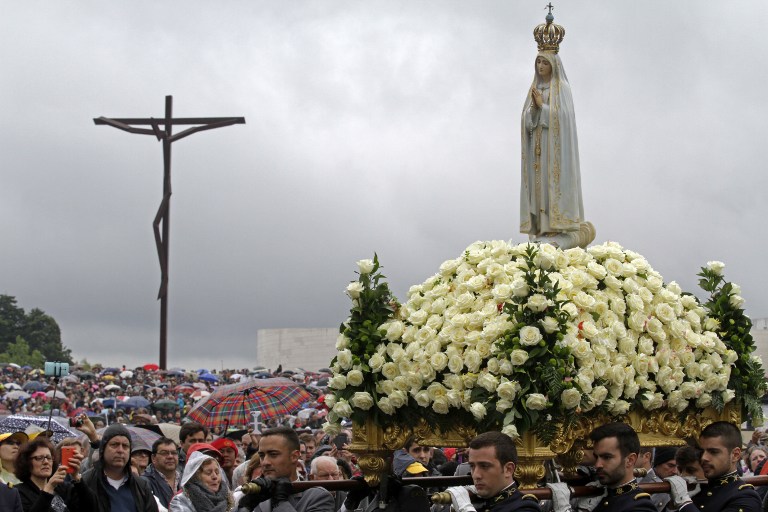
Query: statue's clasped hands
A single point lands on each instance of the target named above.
(536, 99)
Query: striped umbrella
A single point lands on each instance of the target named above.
(232, 405)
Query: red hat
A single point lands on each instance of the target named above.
(205, 448)
(224, 442)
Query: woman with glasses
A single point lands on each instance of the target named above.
(46, 486)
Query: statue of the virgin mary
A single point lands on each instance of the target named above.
(551, 207)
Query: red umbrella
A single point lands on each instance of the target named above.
(232, 405)
(151, 367)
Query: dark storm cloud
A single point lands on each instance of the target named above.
(377, 126)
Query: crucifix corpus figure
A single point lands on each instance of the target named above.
(163, 130)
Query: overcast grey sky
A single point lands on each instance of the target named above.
(388, 126)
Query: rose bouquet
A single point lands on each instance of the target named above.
(526, 337)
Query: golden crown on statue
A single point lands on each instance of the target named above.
(549, 35)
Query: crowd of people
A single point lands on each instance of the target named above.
(143, 394)
(254, 467)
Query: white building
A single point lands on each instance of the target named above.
(760, 335)
(310, 349)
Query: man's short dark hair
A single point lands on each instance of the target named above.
(687, 455)
(728, 431)
(624, 434)
(163, 441)
(506, 451)
(306, 437)
(189, 429)
(287, 433)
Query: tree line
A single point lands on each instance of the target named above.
(29, 338)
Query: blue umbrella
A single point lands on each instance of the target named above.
(208, 377)
(175, 373)
(33, 385)
(108, 403)
(133, 402)
(201, 371)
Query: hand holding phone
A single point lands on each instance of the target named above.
(67, 452)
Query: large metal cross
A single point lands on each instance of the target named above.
(163, 130)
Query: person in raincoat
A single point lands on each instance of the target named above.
(202, 488)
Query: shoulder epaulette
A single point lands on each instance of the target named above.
(530, 497)
(642, 495)
(748, 486)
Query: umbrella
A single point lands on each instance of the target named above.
(165, 405)
(19, 423)
(85, 375)
(232, 405)
(39, 394)
(12, 385)
(183, 388)
(33, 385)
(14, 365)
(141, 438)
(112, 387)
(17, 394)
(56, 394)
(108, 377)
(151, 367)
(127, 374)
(237, 376)
(71, 378)
(200, 385)
(133, 402)
(208, 377)
(168, 430)
(109, 370)
(157, 391)
(201, 371)
(175, 373)
(200, 393)
(305, 413)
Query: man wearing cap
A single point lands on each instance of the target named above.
(664, 465)
(228, 450)
(279, 453)
(9, 450)
(111, 480)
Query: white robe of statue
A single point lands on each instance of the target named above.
(550, 192)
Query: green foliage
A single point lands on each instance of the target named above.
(550, 367)
(20, 353)
(372, 305)
(733, 326)
(38, 329)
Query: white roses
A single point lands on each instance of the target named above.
(471, 334)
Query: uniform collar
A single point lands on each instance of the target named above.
(724, 479)
(503, 495)
(623, 489)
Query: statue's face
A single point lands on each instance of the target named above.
(544, 68)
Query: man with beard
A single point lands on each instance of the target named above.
(616, 447)
(116, 488)
(279, 453)
(725, 492)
